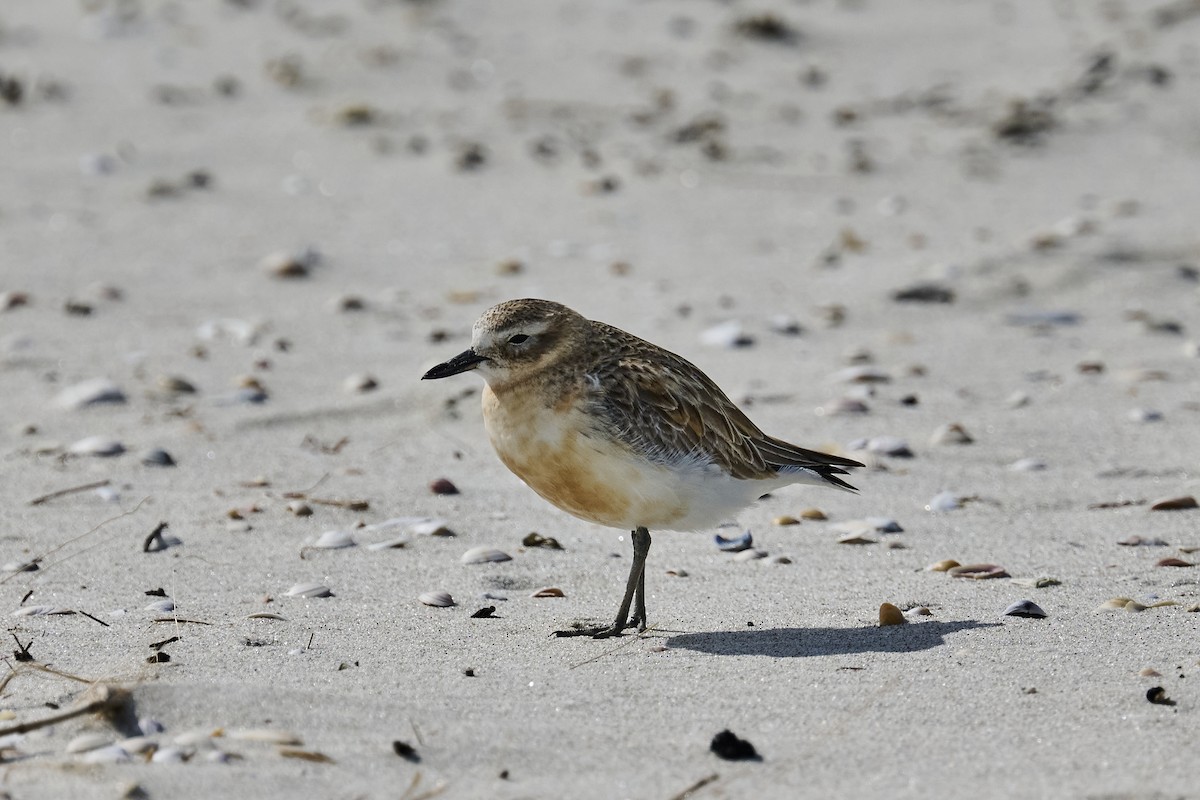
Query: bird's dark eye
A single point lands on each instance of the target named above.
(520, 338)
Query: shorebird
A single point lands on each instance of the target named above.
(620, 432)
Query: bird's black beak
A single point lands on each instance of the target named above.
(462, 362)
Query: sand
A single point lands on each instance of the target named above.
(667, 168)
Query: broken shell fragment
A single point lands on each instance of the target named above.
(164, 606)
(265, 735)
(1173, 562)
(484, 555)
(978, 571)
(813, 514)
(549, 591)
(309, 590)
(677, 572)
(890, 615)
(858, 537)
(1025, 608)
(753, 554)
(437, 599)
(535, 539)
(785, 520)
(1175, 504)
(942, 566)
(953, 433)
(1142, 541)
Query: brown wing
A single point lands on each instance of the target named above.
(667, 410)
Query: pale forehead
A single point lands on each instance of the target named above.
(522, 314)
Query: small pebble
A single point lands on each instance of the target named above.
(1025, 608)
(728, 746)
(299, 508)
(891, 615)
(283, 264)
(443, 486)
(942, 566)
(813, 514)
(1145, 415)
(862, 374)
(360, 383)
(157, 457)
(785, 520)
(1173, 562)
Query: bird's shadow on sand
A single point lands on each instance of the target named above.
(802, 642)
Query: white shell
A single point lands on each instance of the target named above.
(89, 393)
(309, 590)
(437, 599)
(484, 555)
(88, 741)
(149, 726)
(40, 611)
(1027, 465)
(112, 754)
(334, 540)
(99, 446)
(137, 744)
(431, 527)
(392, 543)
(169, 755)
(726, 334)
(163, 606)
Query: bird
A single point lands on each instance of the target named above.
(622, 433)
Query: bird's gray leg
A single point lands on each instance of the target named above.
(634, 585)
(639, 607)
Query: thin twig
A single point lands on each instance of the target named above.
(37, 501)
(109, 700)
(638, 637)
(695, 787)
(89, 616)
(83, 535)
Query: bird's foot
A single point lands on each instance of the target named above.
(601, 631)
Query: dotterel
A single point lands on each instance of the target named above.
(620, 432)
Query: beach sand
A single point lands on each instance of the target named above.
(271, 202)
